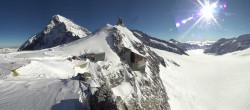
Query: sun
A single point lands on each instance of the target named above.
(207, 13)
(208, 10)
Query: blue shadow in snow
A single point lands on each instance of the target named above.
(70, 104)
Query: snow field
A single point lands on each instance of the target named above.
(207, 82)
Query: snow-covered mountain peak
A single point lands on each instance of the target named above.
(62, 22)
(59, 18)
(60, 30)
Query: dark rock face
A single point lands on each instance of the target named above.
(158, 43)
(152, 89)
(224, 46)
(157, 88)
(102, 99)
(120, 22)
(59, 31)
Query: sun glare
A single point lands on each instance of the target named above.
(207, 13)
(208, 10)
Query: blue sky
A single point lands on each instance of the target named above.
(20, 19)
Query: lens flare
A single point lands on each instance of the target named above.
(184, 21)
(178, 25)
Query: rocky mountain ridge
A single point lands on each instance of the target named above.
(224, 45)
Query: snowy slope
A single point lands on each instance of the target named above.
(207, 82)
(108, 78)
(224, 46)
(243, 53)
(157, 43)
(59, 31)
(39, 94)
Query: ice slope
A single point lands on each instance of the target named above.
(59, 31)
(207, 82)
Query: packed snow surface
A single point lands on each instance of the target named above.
(207, 82)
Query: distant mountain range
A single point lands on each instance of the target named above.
(158, 43)
(61, 31)
(171, 45)
(224, 46)
(192, 44)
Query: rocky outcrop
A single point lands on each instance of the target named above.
(102, 99)
(140, 90)
(120, 22)
(149, 92)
